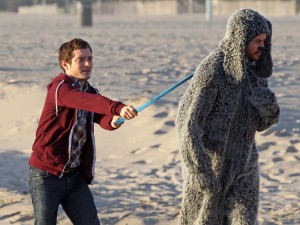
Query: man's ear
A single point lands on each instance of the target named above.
(65, 65)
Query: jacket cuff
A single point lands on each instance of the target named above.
(105, 123)
(119, 108)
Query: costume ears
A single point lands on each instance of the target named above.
(264, 66)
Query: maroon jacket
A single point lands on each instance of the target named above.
(51, 148)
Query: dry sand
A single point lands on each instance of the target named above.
(138, 171)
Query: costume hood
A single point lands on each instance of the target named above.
(242, 27)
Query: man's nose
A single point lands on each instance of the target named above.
(262, 45)
(87, 62)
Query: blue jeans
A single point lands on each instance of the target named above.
(71, 191)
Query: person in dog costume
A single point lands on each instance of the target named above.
(227, 102)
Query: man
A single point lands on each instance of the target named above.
(63, 158)
(228, 100)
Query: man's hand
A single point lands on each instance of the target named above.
(128, 112)
(114, 120)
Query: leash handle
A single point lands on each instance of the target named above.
(151, 101)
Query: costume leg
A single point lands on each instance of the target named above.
(200, 208)
(190, 208)
(243, 200)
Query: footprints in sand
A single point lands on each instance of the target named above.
(144, 182)
(12, 208)
(279, 178)
(277, 159)
(146, 193)
(144, 149)
(167, 125)
(160, 132)
(161, 115)
(170, 123)
(291, 149)
(143, 179)
(266, 146)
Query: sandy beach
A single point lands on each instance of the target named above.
(138, 171)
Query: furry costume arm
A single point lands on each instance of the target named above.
(264, 100)
(194, 107)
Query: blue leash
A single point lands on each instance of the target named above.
(151, 101)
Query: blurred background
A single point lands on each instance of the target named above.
(146, 7)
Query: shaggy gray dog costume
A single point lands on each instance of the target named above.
(228, 100)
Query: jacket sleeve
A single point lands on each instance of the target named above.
(66, 95)
(194, 108)
(265, 103)
(104, 121)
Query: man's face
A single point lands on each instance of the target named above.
(81, 65)
(253, 50)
